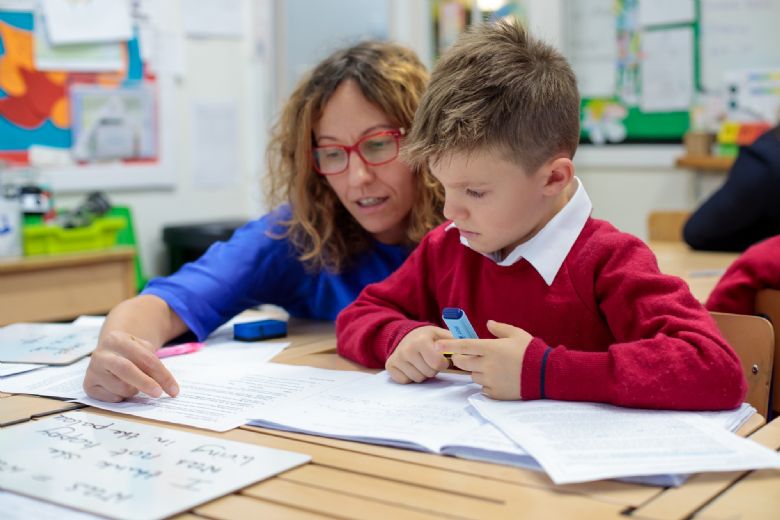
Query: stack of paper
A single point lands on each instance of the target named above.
(572, 442)
(228, 383)
(221, 385)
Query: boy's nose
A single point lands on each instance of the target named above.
(359, 172)
(452, 211)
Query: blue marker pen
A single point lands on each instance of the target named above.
(458, 323)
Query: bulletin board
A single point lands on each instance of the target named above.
(35, 112)
(634, 82)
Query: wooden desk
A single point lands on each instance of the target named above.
(61, 287)
(354, 481)
(700, 269)
(722, 495)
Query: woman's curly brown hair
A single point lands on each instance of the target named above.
(323, 232)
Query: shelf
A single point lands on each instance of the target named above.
(705, 162)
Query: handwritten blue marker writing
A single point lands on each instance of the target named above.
(458, 323)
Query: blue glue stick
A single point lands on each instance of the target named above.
(458, 323)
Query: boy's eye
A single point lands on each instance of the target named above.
(475, 194)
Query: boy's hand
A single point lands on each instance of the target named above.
(123, 364)
(416, 358)
(494, 363)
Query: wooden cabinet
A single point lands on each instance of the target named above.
(62, 287)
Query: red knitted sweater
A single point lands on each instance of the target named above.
(757, 268)
(617, 330)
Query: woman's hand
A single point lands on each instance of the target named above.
(122, 365)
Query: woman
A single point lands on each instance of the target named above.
(352, 212)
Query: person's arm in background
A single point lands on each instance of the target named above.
(756, 269)
(124, 362)
(725, 222)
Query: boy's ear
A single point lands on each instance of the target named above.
(558, 174)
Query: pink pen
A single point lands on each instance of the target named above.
(176, 350)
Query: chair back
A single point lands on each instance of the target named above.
(753, 339)
(768, 306)
(666, 225)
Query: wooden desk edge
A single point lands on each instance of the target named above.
(701, 489)
(38, 262)
(705, 162)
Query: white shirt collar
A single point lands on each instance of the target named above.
(547, 250)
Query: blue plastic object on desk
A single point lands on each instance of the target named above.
(259, 330)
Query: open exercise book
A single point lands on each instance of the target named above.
(448, 415)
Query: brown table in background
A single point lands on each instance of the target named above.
(700, 269)
(353, 480)
(62, 287)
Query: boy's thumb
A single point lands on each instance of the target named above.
(499, 330)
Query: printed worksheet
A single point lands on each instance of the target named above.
(577, 442)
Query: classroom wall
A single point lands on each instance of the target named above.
(216, 70)
(625, 183)
(628, 182)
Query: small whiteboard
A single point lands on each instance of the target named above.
(125, 470)
(46, 343)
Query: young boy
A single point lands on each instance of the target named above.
(579, 310)
(756, 269)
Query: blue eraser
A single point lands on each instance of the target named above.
(259, 330)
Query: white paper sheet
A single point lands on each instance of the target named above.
(63, 382)
(128, 470)
(213, 18)
(87, 21)
(90, 321)
(214, 147)
(577, 442)
(660, 12)
(78, 57)
(667, 69)
(17, 5)
(592, 46)
(220, 386)
(47, 343)
(18, 507)
(737, 36)
(9, 369)
(162, 38)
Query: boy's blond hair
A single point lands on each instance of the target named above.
(498, 88)
(323, 232)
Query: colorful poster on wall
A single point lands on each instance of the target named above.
(35, 104)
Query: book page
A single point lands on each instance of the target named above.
(578, 442)
(374, 409)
